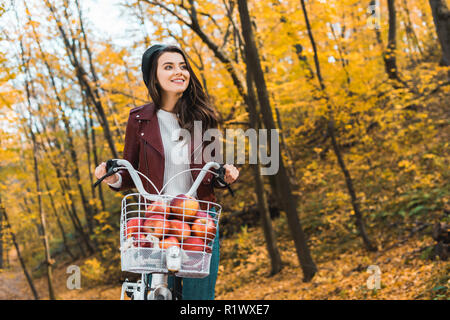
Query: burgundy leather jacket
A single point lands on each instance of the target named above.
(144, 150)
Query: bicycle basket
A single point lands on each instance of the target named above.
(148, 228)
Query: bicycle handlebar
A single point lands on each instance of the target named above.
(113, 165)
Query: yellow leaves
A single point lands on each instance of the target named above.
(317, 150)
(106, 227)
(102, 216)
(337, 197)
(314, 164)
(376, 158)
(387, 175)
(92, 271)
(425, 181)
(407, 165)
(312, 175)
(429, 156)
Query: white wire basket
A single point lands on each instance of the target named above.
(149, 228)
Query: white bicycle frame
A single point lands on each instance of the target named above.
(159, 286)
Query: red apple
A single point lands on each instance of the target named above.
(193, 244)
(204, 227)
(169, 241)
(179, 229)
(133, 227)
(141, 241)
(156, 225)
(184, 205)
(201, 214)
(157, 207)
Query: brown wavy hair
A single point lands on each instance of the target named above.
(194, 104)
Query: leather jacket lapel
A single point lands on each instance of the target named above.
(150, 130)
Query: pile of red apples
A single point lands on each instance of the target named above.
(182, 224)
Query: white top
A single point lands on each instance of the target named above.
(176, 156)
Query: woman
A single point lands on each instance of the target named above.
(178, 100)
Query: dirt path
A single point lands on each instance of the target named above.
(13, 284)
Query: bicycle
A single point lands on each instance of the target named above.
(144, 245)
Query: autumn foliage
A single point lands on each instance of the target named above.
(66, 90)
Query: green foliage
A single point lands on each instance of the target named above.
(441, 287)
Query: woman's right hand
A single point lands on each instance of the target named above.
(100, 171)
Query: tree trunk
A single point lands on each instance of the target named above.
(19, 255)
(389, 56)
(48, 259)
(441, 18)
(58, 221)
(266, 222)
(28, 90)
(90, 165)
(308, 266)
(351, 190)
(94, 151)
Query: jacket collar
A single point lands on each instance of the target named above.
(150, 131)
(146, 112)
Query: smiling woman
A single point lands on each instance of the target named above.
(178, 100)
(161, 66)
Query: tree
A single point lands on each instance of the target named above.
(389, 55)
(332, 135)
(283, 185)
(269, 233)
(441, 18)
(44, 234)
(31, 135)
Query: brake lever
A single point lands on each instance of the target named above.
(111, 168)
(221, 178)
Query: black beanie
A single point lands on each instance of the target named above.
(147, 59)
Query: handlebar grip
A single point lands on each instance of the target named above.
(221, 179)
(110, 166)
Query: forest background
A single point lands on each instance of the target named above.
(359, 92)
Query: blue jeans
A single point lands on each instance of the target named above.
(201, 288)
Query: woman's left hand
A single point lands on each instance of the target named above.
(231, 173)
